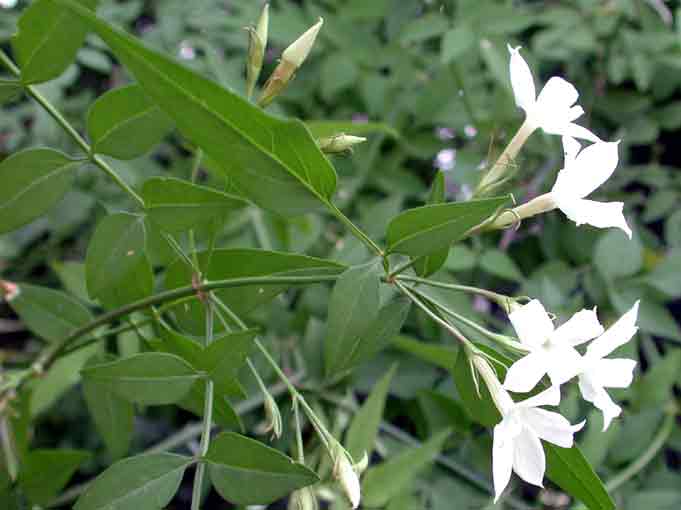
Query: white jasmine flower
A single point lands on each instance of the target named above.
(517, 439)
(583, 172)
(554, 110)
(551, 350)
(599, 372)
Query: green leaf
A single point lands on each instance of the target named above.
(425, 230)
(135, 284)
(363, 429)
(615, 255)
(9, 89)
(151, 378)
(381, 332)
(50, 314)
(246, 472)
(568, 469)
(125, 124)
(666, 276)
(429, 264)
(456, 42)
(655, 387)
(44, 473)
(388, 479)
(72, 276)
(113, 415)
(237, 263)
(115, 251)
(47, 40)
(223, 359)
(443, 356)
(274, 162)
(224, 413)
(480, 407)
(33, 181)
(326, 128)
(498, 263)
(353, 306)
(176, 205)
(145, 482)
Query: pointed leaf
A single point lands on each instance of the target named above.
(47, 40)
(33, 181)
(425, 230)
(223, 359)
(145, 482)
(115, 251)
(151, 378)
(388, 479)
(50, 314)
(113, 415)
(246, 472)
(175, 205)
(363, 429)
(353, 307)
(44, 473)
(125, 124)
(429, 264)
(274, 162)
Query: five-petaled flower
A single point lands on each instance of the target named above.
(554, 110)
(584, 171)
(551, 350)
(599, 372)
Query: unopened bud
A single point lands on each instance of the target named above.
(274, 422)
(257, 42)
(344, 472)
(303, 499)
(541, 204)
(291, 59)
(340, 143)
(362, 464)
(9, 290)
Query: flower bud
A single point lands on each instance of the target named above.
(291, 59)
(274, 422)
(362, 464)
(499, 395)
(339, 143)
(9, 290)
(257, 42)
(541, 204)
(344, 472)
(303, 499)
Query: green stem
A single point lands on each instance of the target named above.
(355, 230)
(402, 268)
(453, 330)
(50, 354)
(500, 299)
(70, 130)
(207, 418)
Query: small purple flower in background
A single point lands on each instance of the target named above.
(444, 133)
(445, 159)
(470, 131)
(360, 118)
(187, 51)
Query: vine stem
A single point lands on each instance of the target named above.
(500, 299)
(207, 418)
(355, 230)
(51, 353)
(70, 130)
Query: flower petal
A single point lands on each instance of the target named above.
(590, 168)
(562, 364)
(502, 459)
(548, 397)
(529, 460)
(532, 324)
(522, 81)
(614, 373)
(577, 131)
(617, 334)
(551, 427)
(596, 214)
(571, 148)
(525, 373)
(581, 327)
(557, 94)
(592, 392)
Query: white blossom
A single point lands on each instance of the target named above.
(584, 171)
(550, 350)
(599, 372)
(517, 439)
(554, 110)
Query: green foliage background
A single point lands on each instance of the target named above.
(434, 73)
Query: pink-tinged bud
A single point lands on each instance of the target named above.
(9, 290)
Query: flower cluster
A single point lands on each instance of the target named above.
(551, 351)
